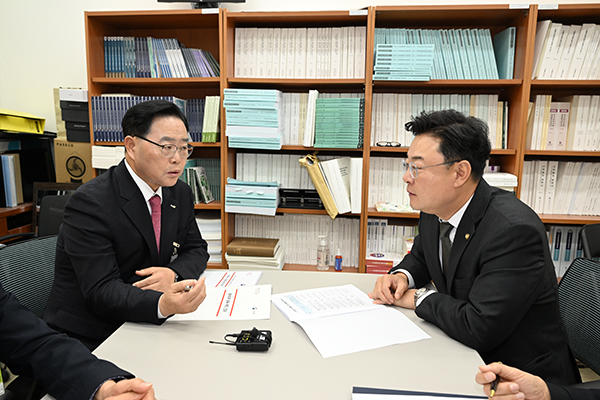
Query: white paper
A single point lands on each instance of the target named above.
(365, 330)
(343, 319)
(225, 278)
(232, 303)
(380, 394)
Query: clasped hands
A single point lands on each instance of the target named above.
(393, 289)
(178, 297)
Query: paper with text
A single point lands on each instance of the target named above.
(321, 302)
(224, 278)
(342, 320)
(363, 393)
(232, 303)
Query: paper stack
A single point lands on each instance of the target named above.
(254, 118)
(210, 229)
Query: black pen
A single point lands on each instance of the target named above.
(495, 384)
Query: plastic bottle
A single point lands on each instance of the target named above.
(338, 260)
(323, 254)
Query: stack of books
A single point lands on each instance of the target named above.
(403, 62)
(254, 118)
(381, 263)
(254, 253)
(502, 180)
(147, 57)
(104, 157)
(339, 123)
(194, 112)
(245, 197)
(212, 167)
(210, 229)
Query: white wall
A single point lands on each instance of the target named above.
(42, 42)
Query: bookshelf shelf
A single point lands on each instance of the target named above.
(216, 33)
(373, 213)
(451, 84)
(557, 153)
(215, 205)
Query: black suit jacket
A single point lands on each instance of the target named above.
(501, 294)
(62, 365)
(577, 392)
(105, 237)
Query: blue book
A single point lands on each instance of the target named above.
(504, 49)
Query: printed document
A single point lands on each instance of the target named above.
(232, 303)
(343, 319)
(224, 278)
(362, 393)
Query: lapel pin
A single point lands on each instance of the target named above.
(467, 236)
(173, 206)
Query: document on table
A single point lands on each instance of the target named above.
(343, 319)
(224, 278)
(232, 303)
(362, 393)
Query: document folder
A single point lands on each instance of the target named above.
(311, 162)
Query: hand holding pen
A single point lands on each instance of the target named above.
(183, 297)
(506, 383)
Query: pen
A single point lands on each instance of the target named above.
(495, 384)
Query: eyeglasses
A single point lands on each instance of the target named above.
(388, 144)
(169, 150)
(414, 170)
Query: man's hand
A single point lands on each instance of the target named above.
(389, 289)
(182, 297)
(514, 383)
(157, 278)
(128, 389)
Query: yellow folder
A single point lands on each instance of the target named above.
(21, 122)
(311, 162)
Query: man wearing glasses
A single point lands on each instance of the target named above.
(486, 252)
(129, 248)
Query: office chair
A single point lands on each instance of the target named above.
(51, 197)
(27, 271)
(579, 304)
(590, 239)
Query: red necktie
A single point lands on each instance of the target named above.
(156, 213)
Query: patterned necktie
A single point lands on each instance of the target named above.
(156, 213)
(445, 229)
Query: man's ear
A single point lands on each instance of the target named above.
(463, 172)
(130, 146)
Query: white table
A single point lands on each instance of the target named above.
(177, 358)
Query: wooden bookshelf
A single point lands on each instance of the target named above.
(215, 32)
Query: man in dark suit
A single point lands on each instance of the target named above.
(129, 248)
(497, 292)
(516, 384)
(63, 366)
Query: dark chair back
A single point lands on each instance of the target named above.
(27, 271)
(51, 213)
(579, 303)
(590, 240)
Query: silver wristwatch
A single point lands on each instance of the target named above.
(418, 294)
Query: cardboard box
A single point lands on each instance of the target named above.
(73, 161)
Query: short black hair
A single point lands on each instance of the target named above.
(461, 137)
(139, 118)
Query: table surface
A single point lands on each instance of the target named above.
(177, 358)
